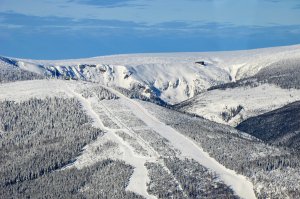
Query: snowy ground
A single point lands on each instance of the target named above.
(23, 90)
(255, 101)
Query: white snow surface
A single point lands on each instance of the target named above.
(174, 77)
(254, 100)
(23, 90)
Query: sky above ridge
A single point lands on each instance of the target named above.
(61, 29)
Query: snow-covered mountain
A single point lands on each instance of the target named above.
(85, 128)
(274, 86)
(173, 77)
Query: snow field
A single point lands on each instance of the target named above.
(254, 100)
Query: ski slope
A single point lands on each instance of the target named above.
(139, 179)
(240, 184)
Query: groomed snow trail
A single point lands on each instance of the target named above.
(239, 184)
(139, 179)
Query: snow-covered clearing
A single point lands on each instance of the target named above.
(23, 90)
(254, 100)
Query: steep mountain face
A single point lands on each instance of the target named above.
(172, 77)
(280, 126)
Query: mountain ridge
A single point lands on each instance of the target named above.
(173, 77)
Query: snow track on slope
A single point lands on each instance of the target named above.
(240, 184)
(139, 179)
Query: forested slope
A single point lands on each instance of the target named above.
(280, 126)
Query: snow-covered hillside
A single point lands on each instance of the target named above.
(173, 77)
(234, 105)
(280, 126)
(166, 152)
(73, 127)
(123, 140)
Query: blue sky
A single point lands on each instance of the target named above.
(59, 29)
